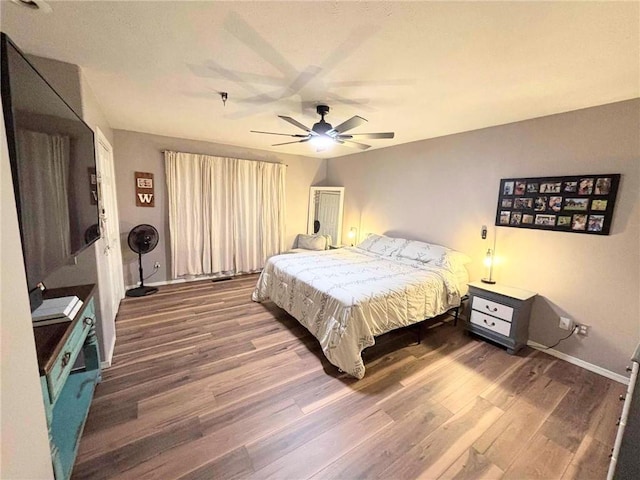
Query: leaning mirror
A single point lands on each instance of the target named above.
(325, 212)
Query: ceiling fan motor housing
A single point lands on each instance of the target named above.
(322, 127)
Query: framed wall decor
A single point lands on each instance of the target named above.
(145, 196)
(577, 204)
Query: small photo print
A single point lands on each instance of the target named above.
(504, 217)
(553, 187)
(546, 220)
(570, 187)
(564, 221)
(576, 204)
(523, 203)
(516, 218)
(585, 187)
(508, 188)
(603, 186)
(579, 222)
(520, 187)
(526, 218)
(541, 204)
(599, 205)
(507, 203)
(555, 203)
(532, 188)
(595, 223)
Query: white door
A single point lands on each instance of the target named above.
(108, 251)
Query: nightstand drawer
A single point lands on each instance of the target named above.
(492, 308)
(490, 323)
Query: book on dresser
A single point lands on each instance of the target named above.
(56, 310)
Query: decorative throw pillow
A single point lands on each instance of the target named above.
(312, 242)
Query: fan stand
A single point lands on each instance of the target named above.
(141, 291)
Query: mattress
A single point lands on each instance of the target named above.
(348, 296)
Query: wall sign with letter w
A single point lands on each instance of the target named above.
(144, 189)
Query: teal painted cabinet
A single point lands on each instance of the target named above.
(68, 391)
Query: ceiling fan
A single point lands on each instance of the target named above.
(322, 134)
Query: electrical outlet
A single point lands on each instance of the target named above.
(156, 265)
(566, 323)
(583, 330)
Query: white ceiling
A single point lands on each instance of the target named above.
(421, 69)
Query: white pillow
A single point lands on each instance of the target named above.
(312, 242)
(421, 251)
(435, 254)
(381, 245)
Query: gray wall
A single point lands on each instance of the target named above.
(68, 81)
(442, 190)
(141, 152)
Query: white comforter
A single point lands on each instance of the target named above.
(346, 297)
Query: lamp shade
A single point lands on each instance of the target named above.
(353, 233)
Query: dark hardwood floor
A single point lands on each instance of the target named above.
(206, 384)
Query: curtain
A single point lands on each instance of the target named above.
(43, 174)
(226, 215)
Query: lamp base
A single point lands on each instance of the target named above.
(488, 280)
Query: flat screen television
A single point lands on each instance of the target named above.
(53, 164)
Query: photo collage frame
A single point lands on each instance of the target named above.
(577, 204)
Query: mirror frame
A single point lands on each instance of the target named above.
(312, 195)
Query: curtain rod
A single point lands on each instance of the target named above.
(247, 159)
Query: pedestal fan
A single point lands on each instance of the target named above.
(142, 239)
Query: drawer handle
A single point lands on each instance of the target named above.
(621, 398)
(628, 369)
(494, 309)
(65, 359)
(492, 324)
(89, 321)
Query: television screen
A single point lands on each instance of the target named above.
(53, 164)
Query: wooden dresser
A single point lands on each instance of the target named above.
(67, 392)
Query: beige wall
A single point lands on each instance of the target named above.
(442, 190)
(143, 153)
(24, 447)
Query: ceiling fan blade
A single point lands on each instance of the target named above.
(287, 143)
(351, 143)
(283, 134)
(297, 124)
(367, 135)
(353, 122)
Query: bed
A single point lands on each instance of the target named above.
(348, 296)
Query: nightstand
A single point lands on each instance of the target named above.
(500, 314)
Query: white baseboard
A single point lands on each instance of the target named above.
(106, 363)
(580, 363)
(183, 280)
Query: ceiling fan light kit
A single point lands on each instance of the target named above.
(323, 135)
